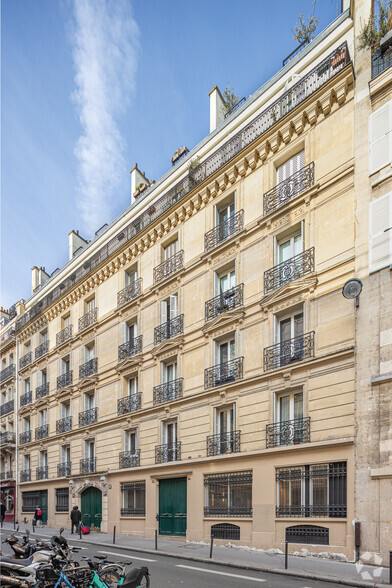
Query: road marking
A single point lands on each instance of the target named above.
(124, 555)
(222, 573)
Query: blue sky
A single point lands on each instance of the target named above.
(89, 87)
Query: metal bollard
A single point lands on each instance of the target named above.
(1, 523)
(114, 534)
(156, 540)
(212, 544)
(286, 556)
(80, 532)
(33, 525)
(14, 523)
(390, 567)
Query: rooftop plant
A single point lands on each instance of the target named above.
(305, 29)
(230, 98)
(378, 25)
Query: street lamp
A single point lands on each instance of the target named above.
(352, 289)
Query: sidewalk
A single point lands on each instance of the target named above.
(311, 568)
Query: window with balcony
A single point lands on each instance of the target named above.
(43, 385)
(64, 467)
(290, 167)
(170, 449)
(25, 474)
(64, 424)
(133, 499)
(88, 463)
(90, 412)
(89, 366)
(90, 314)
(42, 431)
(129, 458)
(226, 439)
(43, 346)
(25, 435)
(228, 494)
(228, 222)
(132, 286)
(172, 324)
(42, 470)
(132, 401)
(290, 426)
(65, 334)
(131, 343)
(227, 296)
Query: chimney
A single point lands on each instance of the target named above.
(20, 307)
(34, 278)
(75, 242)
(43, 276)
(217, 108)
(137, 178)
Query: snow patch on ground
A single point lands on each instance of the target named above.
(321, 555)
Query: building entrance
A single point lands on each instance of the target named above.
(92, 508)
(172, 507)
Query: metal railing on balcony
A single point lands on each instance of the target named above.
(8, 372)
(26, 398)
(42, 391)
(41, 432)
(64, 425)
(130, 292)
(64, 380)
(224, 373)
(290, 351)
(88, 417)
(232, 226)
(88, 465)
(64, 469)
(129, 403)
(168, 391)
(131, 347)
(7, 437)
(24, 437)
(64, 335)
(288, 189)
(381, 61)
(295, 52)
(171, 328)
(235, 107)
(168, 452)
(288, 432)
(227, 511)
(224, 443)
(229, 300)
(6, 475)
(25, 475)
(128, 459)
(296, 267)
(41, 349)
(88, 319)
(25, 360)
(7, 407)
(42, 473)
(89, 368)
(169, 267)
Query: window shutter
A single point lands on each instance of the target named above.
(40, 378)
(173, 307)
(380, 238)
(124, 332)
(380, 137)
(163, 311)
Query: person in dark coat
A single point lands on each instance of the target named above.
(38, 516)
(76, 517)
(2, 511)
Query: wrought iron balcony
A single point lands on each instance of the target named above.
(7, 407)
(8, 372)
(7, 437)
(168, 452)
(226, 301)
(89, 368)
(129, 348)
(232, 226)
(26, 398)
(168, 267)
(288, 352)
(42, 391)
(288, 432)
(129, 459)
(88, 319)
(381, 61)
(129, 403)
(227, 511)
(296, 267)
(42, 473)
(25, 360)
(64, 469)
(168, 391)
(288, 189)
(130, 292)
(24, 437)
(64, 425)
(224, 373)
(64, 335)
(64, 380)
(6, 475)
(88, 465)
(41, 349)
(25, 475)
(88, 417)
(41, 432)
(235, 107)
(169, 329)
(224, 443)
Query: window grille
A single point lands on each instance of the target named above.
(229, 494)
(62, 499)
(225, 531)
(30, 501)
(309, 534)
(133, 499)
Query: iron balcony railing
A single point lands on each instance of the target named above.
(129, 403)
(288, 432)
(288, 189)
(224, 443)
(223, 373)
(88, 319)
(295, 52)
(25, 475)
(26, 398)
(131, 347)
(381, 61)
(42, 473)
(296, 267)
(235, 107)
(88, 465)
(129, 459)
(169, 267)
(41, 432)
(168, 391)
(25, 360)
(89, 368)
(129, 292)
(42, 391)
(232, 226)
(64, 425)
(6, 475)
(229, 300)
(169, 329)
(24, 437)
(64, 335)
(88, 417)
(8, 372)
(7, 437)
(168, 452)
(227, 511)
(288, 352)
(7, 407)
(64, 469)
(64, 380)
(41, 349)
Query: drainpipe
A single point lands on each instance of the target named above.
(16, 412)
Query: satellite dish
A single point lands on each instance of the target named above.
(352, 289)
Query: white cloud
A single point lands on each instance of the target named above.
(105, 54)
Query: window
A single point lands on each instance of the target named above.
(289, 427)
(30, 501)
(130, 276)
(26, 462)
(89, 401)
(26, 385)
(224, 420)
(380, 137)
(133, 499)
(89, 352)
(66, 454)
(65, 409)
(289, 407)
(42, 417)
(11, 359)
(169, 371)
(225, 351)
(26, 424)
(89, 449)
(170, 440)
(62, 499)
(290, 330)
(42, 377)
(170, 250)
(44, 336)
(169, 308)
(132, 386)
(128, 332)
(224, 281)
(228, 494)
(312, 491)
(226, 439)
(225, 220)
(290, 167)
(130, 442)
(380, 232)
(90, 304)
(65, 365)
(66, 320)
(289, 246)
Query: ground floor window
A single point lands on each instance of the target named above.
(133, 499)
(62, 499)
(30, 501)
(228, 494)
(312, 491)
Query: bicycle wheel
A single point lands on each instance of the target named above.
(145, 583)
(110, 577)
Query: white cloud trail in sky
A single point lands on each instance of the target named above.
(105, 54)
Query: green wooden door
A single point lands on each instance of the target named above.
(43, 502)
(92, 508)
(172, 506)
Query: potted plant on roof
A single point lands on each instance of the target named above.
(139, 189)
(179, 153)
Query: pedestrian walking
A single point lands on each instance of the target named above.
(76, 517)
(38, 516)
(2, 511)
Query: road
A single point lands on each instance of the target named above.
(173, 572)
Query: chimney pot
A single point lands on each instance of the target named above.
(217, 108)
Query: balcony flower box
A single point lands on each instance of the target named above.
(222, 307)
(339, 57)
(139, 190)
(178, 154)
